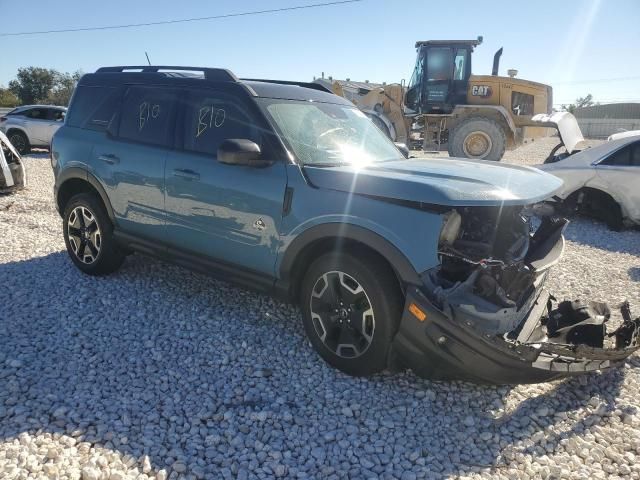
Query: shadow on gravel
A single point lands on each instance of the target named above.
(634, 274)
(159, 361)
(38, 154)
(596, 234)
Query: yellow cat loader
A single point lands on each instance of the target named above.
(474, 116)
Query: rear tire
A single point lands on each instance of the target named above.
(478, 138)
(88, 235)
(351, 307)
(20, 142)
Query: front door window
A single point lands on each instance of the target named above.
(439, 64)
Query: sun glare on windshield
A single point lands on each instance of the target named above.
(325, 134)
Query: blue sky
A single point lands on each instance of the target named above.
(568, 43)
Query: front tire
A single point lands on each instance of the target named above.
(88, 235)
(478, 138)
(598, 205)
(351, 308)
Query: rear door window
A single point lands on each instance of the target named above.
(211, 118)
(147, 115)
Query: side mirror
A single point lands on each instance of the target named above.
(241, 151)
(403, 149)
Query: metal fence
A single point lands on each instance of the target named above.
(603, 127)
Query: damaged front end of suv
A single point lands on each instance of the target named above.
(484, 315)
(482, 238)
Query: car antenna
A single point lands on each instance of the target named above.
(147, 55)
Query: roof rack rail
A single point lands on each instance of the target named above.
(314, 86)
(214, 74)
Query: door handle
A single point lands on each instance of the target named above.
(109, 158)
(186, 174)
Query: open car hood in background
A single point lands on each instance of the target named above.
(567, 127)
(445, 182)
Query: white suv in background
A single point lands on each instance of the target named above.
(32, 125)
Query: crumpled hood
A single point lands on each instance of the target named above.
(447, 181)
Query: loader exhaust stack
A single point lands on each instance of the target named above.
(496, 62)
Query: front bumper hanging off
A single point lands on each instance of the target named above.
(435, 344)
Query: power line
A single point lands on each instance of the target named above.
(183, 20)
(600, 80)
(604, 101)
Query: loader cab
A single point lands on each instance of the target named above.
(441, 76)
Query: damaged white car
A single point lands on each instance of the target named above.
(12, 172)
(603, 181)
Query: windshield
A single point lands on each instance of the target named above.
(325, 134)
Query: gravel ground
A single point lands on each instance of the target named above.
(156, 372)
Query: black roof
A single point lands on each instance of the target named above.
(202, 76)
(293, 91)
(446, 43)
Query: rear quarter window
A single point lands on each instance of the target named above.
(92, 107)
(147, 114)
(635, 154)
(620, 158)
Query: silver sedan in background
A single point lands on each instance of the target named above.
(603, 181)
(32, 125)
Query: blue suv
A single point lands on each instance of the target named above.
(433, 264)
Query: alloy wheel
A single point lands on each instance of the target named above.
(342, 314)
(19, 143)
(84, 235)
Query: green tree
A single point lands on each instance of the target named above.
(33, 84)
(8, 99)
(580, 102)
(585, 101)
(64, 85)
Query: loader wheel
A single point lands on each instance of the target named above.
(478, 138)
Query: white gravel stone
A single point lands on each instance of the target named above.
(156, 369)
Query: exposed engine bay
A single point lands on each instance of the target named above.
(499, 249)
(494, 263)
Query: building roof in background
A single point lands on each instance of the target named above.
(612, 110)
